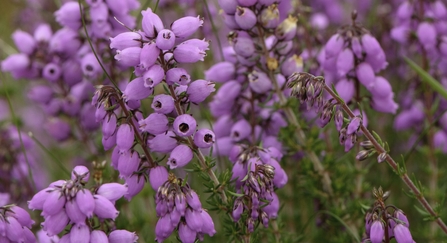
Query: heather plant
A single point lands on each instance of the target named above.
(225, 108)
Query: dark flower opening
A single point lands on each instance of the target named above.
(236, 134)
(184, 127)
(208, 138)
(52, 71)
(158, 104)
(89, 68)
(167, 35)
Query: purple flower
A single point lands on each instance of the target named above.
(163, 104)
(166, 39)
(286, 30)
(238, 208)
(186, 26)
(163, 228)
(177, 76)
(259, 82)
(381, 88)
(74, 213)
(345, 62)
(240, 130)
(125, 137)
(365, 75)
(153, 76)
(221, 72)
(194, 219)
(377, 232)
(24, 41)
(129, 57)
(245, 18)
(426, 34)
(155, 123)
(126, 40)
(136, 90)
(69, 15)
(104, 209)
(184, 125)
(85, 201)
(15, 63)
(208, 224)
(135, 184)
(157, 176)
(402, 234)
(54, 224)
(80, 173)
(128, 163)
(98, 236)
(190, 51)
(204, 138)
(163, 143)
(80, 233)
(21, 215)
(244, 46)
(186, 234)
(334, 46)
(112, 191)
(199, 90)
(180, 156)
(54, 203)
(52, 72)
(151, 23)
(149, 55)
(122, 236)
(386, 104)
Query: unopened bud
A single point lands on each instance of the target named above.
(367, 144)
(381, 157)
(362, 155)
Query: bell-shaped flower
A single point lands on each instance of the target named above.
(180, 156)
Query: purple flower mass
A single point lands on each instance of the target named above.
(223, 107)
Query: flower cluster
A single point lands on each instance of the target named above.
(308, 88)
(18, 158)
(15, 225)
(353, 57)
(106, 18)
(178, 207)
(65, 61)
(421, 28)
(252, 84)
(380, 223)
(257, 187)
(68, 202)
(154, 53)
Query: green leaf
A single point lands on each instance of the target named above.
(235, 194)
(426, 77)
(422, 211)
